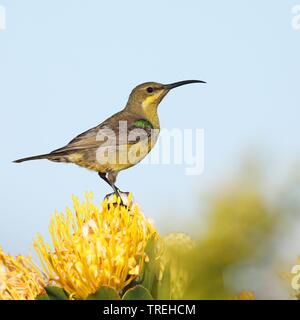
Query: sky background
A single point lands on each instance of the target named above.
(65, 66)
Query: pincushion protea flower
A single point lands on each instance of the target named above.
(95, 247)
(20, 278)
(104, 253)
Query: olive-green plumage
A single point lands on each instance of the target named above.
(122, 140)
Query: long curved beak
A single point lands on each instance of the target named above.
(181, 83)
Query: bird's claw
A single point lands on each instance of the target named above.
(114, 197)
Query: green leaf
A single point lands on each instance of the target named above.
(56, 293)
(104, 293)
(164, 286)
(42, 297)
(149, 270)
(137, 293)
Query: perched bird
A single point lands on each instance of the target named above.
(122, 140)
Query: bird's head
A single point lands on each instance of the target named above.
(146, 97)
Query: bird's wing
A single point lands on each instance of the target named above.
(120, 129)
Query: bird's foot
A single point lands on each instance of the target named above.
(119, 196)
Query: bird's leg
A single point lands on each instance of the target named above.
(103, 176)
(111, 179)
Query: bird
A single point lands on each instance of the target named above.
(122, 140)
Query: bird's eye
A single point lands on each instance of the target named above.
(150, 89)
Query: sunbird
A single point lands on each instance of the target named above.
(122, 140)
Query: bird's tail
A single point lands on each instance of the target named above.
(41, 156)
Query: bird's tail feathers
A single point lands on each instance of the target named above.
(41, 156)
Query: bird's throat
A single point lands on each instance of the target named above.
(149, 109)
(151, 115)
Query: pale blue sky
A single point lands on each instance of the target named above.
(67, 65)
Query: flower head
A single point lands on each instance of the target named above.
(95, 246)
(20, 278)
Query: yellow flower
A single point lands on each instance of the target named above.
(95, 247)
(20, 278)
